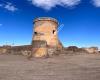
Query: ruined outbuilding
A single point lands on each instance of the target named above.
(92, 50)
(45, 38)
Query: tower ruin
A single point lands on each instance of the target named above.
(45, 38)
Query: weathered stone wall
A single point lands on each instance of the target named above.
(23, 50)
(16, 50)
(74, 50)
(92, 50)
(4, 49)
(39, 48)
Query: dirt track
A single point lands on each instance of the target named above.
(63, 67)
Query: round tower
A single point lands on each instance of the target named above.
(45, 32)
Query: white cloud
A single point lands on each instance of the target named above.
(48, 4)
(96, 3)
(9, 6)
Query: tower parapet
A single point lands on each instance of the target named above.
(46, 19)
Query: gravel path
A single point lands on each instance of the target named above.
(63, 67)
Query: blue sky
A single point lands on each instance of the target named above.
(81, 20)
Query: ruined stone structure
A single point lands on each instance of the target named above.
(45, 39)
(4, 49)
(16, 50)
(92, 50)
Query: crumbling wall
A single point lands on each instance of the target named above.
(21, 50)
(92, 50)
(74, 50)
(5, 49)
(16, 50)
(39, 48)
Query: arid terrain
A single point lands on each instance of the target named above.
(62, 67)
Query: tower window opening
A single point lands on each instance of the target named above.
(54, 31)
(35, 33)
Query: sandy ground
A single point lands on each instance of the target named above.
(63, 67)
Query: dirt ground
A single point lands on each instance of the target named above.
(63, 67)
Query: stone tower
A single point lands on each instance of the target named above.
(45, 38)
